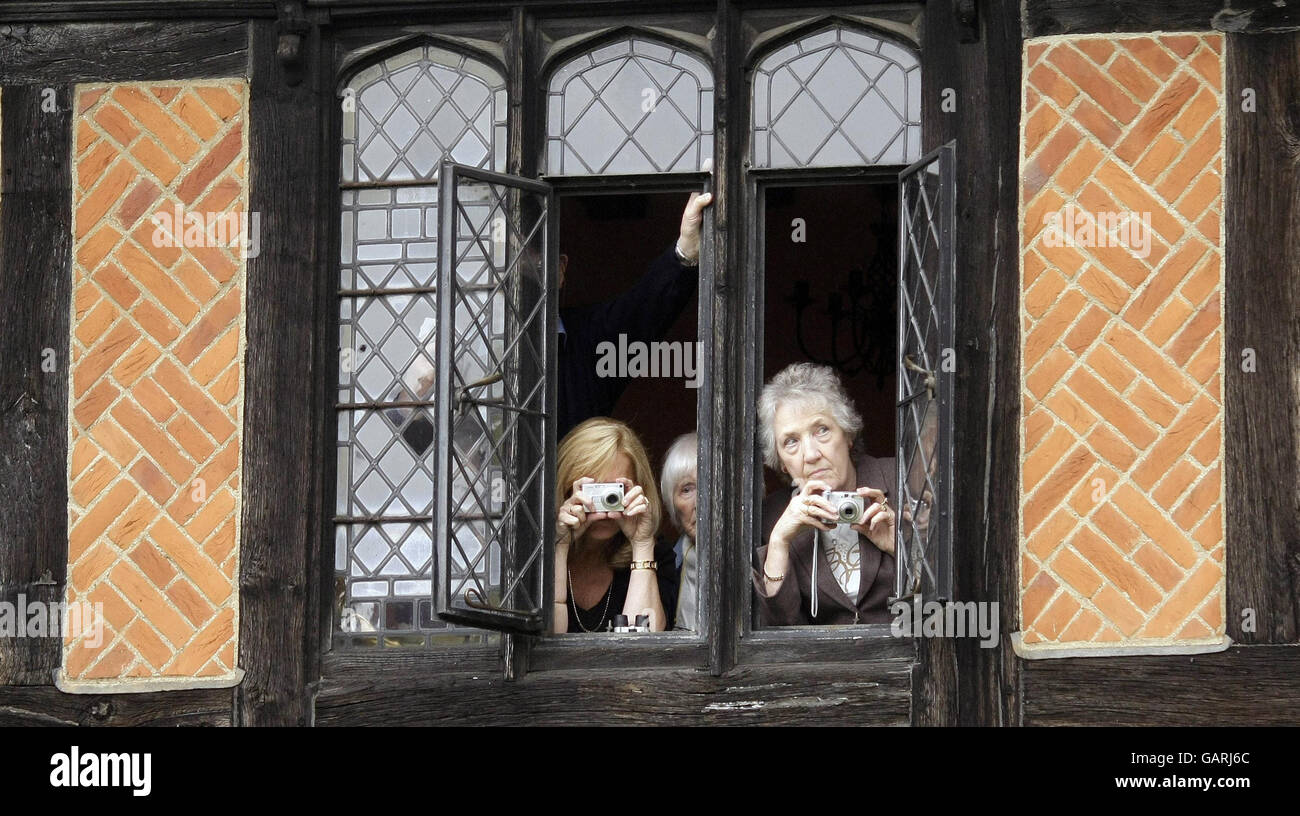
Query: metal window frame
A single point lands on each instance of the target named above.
(517, 558)
(929, 571)
(346, 68)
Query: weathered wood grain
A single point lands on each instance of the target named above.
(47, 706)
(282, 415)
(960, 682)
(1261, 304)
(1047, 17)
(119, 52)
(1257, 17)
(864, 693)
(35, 288)
(1246, 685)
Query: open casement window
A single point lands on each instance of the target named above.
(835, 124)
(927, 261)
(404, 112)
(495, 427)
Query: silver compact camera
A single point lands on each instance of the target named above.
(605, 497)
(848, 506)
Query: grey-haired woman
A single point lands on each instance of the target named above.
(811, 569)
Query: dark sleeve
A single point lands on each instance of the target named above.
(785, 608)
(669, 581)
(648, 310)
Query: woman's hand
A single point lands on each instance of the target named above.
(807, 508)
(878, 520)
(635, 519)
(575, 515)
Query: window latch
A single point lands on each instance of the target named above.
(930, 381)
(465, 398)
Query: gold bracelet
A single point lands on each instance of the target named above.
(650, 565)
(780, 577)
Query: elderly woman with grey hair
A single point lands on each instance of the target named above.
(678, 489)
(816, 567)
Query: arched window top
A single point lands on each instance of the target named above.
(405, 114)
(632, 106)
(837, 97)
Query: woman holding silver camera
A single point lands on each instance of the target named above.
(606, 561)
(814, 569)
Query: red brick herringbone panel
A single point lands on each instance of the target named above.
(1122, 344)
(156, 377)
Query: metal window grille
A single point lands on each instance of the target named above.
(496, 332)
(634, 106)
(835, 98)
(402, 117)
(927, 268)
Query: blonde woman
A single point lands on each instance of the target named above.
(608, 564)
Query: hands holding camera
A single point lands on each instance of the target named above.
(582, 509)
(811, 507)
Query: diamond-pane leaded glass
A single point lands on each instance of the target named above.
(403, 117)
(496, 327)
(634, 106)
(927, 270)
(838, 97)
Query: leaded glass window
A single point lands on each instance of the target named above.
(403, 117)
(633, 106)
(926, 286)
(837, 98)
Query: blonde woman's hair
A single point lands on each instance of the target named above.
(590, 448)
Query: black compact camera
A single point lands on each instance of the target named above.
(642, 624)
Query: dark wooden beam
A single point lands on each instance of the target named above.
(860, 693)
(1262, 299)
(121, 52)
(47, 706)
(1246, 685)
(958, 682)
(1045, 17)
(282, 415)
(35, 288)
(1257, 17)
(723, 402)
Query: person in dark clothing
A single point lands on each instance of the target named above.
(643, 313)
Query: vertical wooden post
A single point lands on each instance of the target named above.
(957, 682)
(35, 286)
(1262, 299)
(282, 484)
